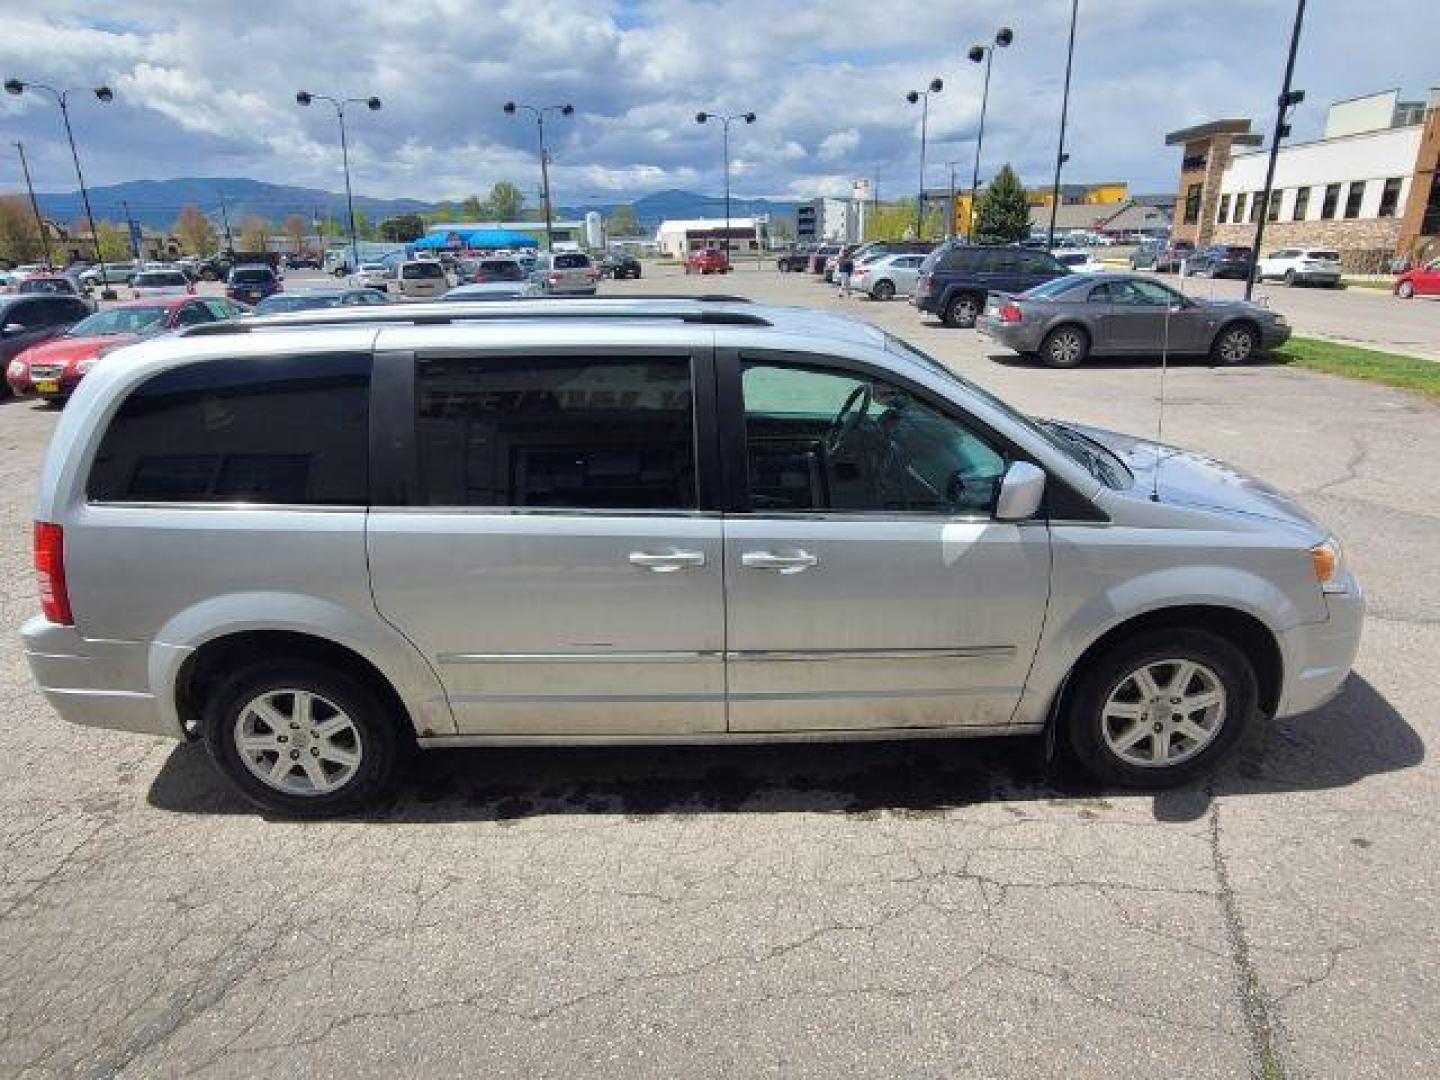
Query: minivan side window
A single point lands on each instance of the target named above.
(820, 439)
(563, 432)
(261, 429)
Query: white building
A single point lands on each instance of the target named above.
(829, 220)
(679, 237)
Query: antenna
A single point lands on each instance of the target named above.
(1160, 412)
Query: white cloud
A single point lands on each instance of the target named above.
(209, 90)
(839, 144)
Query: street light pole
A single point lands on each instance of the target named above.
(1287, 100)
(304, 97)
(1060, 156)
(950, 222)
(62, 97)
(749, 118)
(923, 96)
(34, 204)
(1003, 37)
(567, 109)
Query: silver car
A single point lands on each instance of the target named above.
(1068, 319)
(315, 540)
(565, 273)
(886, 276)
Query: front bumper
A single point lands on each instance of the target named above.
(1273, 335)
(102, 684)
(1319, 656)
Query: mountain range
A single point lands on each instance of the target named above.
(157, 203)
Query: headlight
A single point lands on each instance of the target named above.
(15, 370)
(1328, 560)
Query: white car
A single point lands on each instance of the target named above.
(420, 279)
(886, 276)
(152, 283)
(1302, 266)
(372, 275)
(1078, 261)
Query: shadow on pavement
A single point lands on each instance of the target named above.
(1357, 735)
(1108, 363)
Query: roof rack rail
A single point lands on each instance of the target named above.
(436, 315)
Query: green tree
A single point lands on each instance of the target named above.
(1002, 216)
(114, 242)
(471, 208)
(197, 235)
(19, 237)
(623, 222)
(890, 221)
(506, 202)
(402, 229)
(254, 234)
(364, 227)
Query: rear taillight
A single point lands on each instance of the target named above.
(553, 279)
(1009, 313)
(50, 573)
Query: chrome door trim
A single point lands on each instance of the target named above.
(967, 652)
(735, 738)
(544, 511)
(655, 657)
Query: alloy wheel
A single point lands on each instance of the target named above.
(1066, 348)
(1163, 713)
(298, 742)
(1236, 345)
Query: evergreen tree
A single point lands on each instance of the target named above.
(1002, 215)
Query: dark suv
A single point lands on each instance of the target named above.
(1220, 261)
(27, 320)
(955, 278)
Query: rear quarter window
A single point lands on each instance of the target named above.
(268, 430)
(571, 262)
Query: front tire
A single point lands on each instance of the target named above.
(302, 739)
(1289, 279)
(1158, 709)
(1065, 347)
(883, 290)
(1405, 290)
(1235, 344)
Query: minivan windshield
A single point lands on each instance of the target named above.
(252, 275)
(422, 271)
(1095, 459)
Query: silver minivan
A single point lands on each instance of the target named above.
(318, 540)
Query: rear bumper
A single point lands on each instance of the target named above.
(1022, 337)
(1318, 656)
(100, 684)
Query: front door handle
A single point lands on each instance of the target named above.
(783, 564)
(668, 562)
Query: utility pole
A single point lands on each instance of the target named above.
(225, 217)
(1287, 100)
(130, 228)
(1060, 156)
(34, 205)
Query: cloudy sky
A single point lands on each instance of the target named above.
(208, 89)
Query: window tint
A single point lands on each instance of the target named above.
(571, 262)
(574, 432)
(821, 440)
(422, 271)
(221, 309)
(255, 275)
(1332, 199)
(961, 260)
(1390, 197)
(193, 315)
(1302, 201)
(273, 429)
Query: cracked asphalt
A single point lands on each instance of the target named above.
(914, 910)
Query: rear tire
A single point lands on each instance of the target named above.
(1065, 347)
(1405, 290)
(962, 311)
(1289, 278)
(1235, 344)
(1109, 707)
(883, 290)
(259, 706)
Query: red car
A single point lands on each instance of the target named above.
(1421, 281)
(54, 368)
(707, 261)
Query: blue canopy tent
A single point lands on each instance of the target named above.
(474, 240)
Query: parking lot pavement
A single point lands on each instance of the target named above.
(869, 910)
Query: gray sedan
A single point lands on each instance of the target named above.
(1070, 318)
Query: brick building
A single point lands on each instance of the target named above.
(1365, 188)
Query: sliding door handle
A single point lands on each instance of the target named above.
(781, 564)
(667, 562)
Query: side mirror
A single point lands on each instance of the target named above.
(1020, 492)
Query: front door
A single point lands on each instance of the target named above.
(550, 558)
(867, 584)
(1148, 318)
